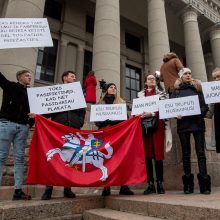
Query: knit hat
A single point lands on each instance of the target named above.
(183, 71)
(108, 85)
(157, 73)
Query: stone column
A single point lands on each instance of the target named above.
(215, 44)
(193, 46)
(12, 60)
(62, 59)
(157, 33)
(106, 44)
(123, 77)
(80, 63)
(209, 65)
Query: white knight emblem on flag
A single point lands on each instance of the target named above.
(73, 153)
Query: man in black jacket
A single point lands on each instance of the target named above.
(14, 126)
(74, 119)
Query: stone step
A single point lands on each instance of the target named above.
(36, 191)
(172, 205)
(66, 217)
(109, 214)
(51, 210)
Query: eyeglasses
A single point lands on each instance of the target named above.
(217, 77)
(151, 78)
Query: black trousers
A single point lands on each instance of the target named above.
(158, 169)
(51, 188)
(199, 138)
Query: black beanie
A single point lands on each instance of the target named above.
(108, 85)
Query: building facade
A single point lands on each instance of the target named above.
(120, 40)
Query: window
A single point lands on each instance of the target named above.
(53, 9)
(46, 62)
(133, 82)
(90, 24)
(87, 63)
(133, 42)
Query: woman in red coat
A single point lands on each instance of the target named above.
(90, 86)
(154, 140)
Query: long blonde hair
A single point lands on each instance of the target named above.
(118, 100)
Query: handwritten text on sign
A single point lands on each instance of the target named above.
(58, 98)
(145, 104)
(211, 91)
(24, 32)
(185, 106)
(111, 111)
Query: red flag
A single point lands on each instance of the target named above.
(63, 156)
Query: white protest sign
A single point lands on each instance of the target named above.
(24, 32)
(116, 112)
(145, 104)
(185, 106)
(211, 91)
(58, 98)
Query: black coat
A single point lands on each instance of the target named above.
(217, 125)
(15, 106)
(73, 118)
(195, 122)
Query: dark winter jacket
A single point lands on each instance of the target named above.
(15, 106)
(194, 122)
(217, 125)
(73, 118)
(214, 110)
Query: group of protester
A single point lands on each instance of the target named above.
(15, 120)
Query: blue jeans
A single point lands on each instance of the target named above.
(16, 134)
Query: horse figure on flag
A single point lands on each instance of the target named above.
(73, 153)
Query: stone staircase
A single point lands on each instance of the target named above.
(172, 205)
(109, 214)
(54, 209)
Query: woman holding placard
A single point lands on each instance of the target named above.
(153, 138)
(187, 125)
(110, 97)
(214, 110)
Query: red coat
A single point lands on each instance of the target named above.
(154, 142)
(90, 86)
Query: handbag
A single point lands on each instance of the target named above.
(149, 125)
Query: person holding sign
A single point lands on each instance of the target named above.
(214, 109)
(110, 97)
(153, 139)
(14, 126)
(72, 118)
(195, 124)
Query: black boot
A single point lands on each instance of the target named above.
(160, 188)
(188, 183)
(204, 184)
(68, 193)
(47, 193)
(106, 191)
(150, 189)
(20, 195)
(125, 190)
